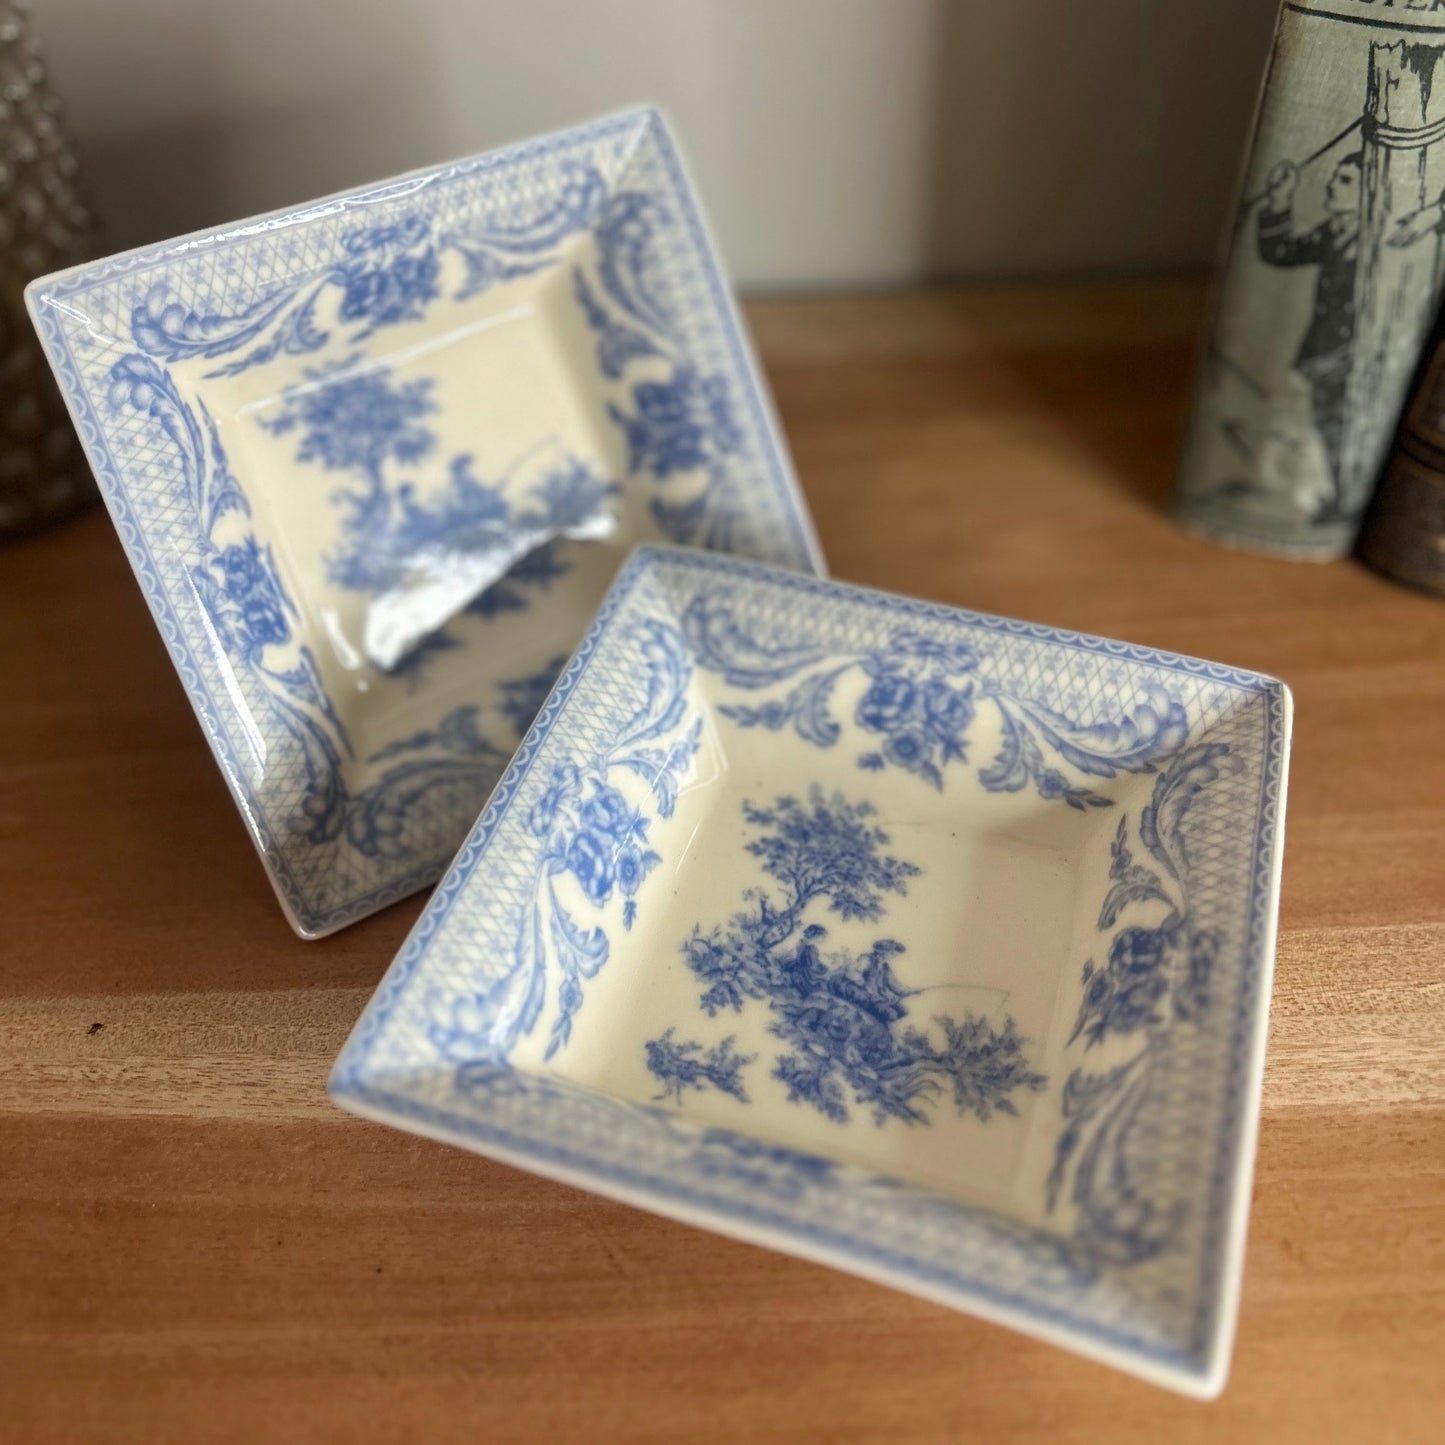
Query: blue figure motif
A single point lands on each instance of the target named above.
(355, 418)
(843, 1018)
(922, 697)
(597, 841)
(1156, 978)
(377, 275)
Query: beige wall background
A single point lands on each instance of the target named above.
(836, 142)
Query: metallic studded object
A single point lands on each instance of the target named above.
(44, 225)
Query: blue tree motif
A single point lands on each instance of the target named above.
(683, 1066)
(355, 418)
(922, 697)
(843, 1017)
(362, 421)
(236, 580)
(1156, 977)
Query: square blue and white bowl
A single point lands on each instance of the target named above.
(928, 945)
(375, 461)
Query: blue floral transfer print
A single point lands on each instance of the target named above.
(608, 849)
(361, 422)
(246, 602)
(235, 581)
(377, 271)
(684, 1066)
(1155, 978)
(843, 1018)
(364, 424)
(350, 416)
(681, 426)
(253, 621)
(453, 755)
(604, 844)
(137, 384)
(920, 702)
(393, 273)
(389, 273)
(357, 419)
(921, 699)
(595, 841)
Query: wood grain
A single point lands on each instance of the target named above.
(195, 1246)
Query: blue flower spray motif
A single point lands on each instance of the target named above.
(920, 701)
(362, 429)
(239, 589)
(249, 607)
(607, 850)
(680, 1067)
(922, 697)
(1171, 960)
(389, 272)
(843, 1018)
(681, 427)
(1155, 978)
(596, 842)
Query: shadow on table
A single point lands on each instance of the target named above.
(1102, 140)
(136, 865)
(1117, 398)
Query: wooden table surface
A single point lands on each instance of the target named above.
(195, 1245)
